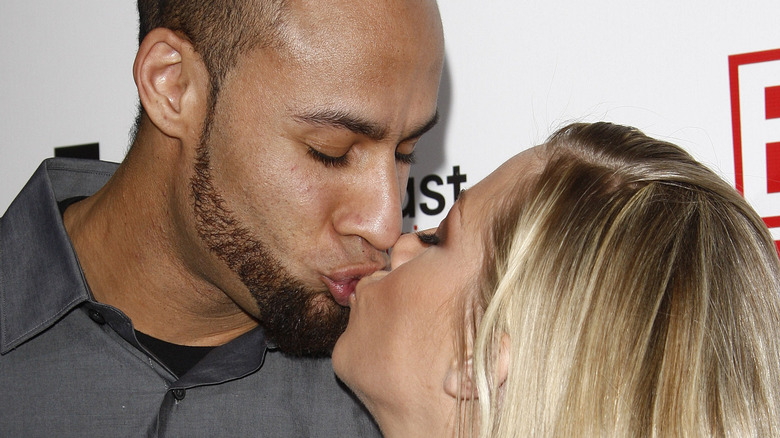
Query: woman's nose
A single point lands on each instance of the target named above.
(406, 248)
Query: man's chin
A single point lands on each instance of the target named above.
(301, 324)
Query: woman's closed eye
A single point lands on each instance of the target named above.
(428, 238)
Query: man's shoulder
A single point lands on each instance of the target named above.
(71, 177)
(304, 397)
(57, 179)
(40, 278)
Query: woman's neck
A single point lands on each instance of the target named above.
(428, 419)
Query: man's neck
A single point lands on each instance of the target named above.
(125, 241)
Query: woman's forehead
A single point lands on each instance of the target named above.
(480, 203)
(525, 164)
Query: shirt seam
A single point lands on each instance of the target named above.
(29, 334)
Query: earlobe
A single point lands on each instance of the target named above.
(169, 76)
(459, 381)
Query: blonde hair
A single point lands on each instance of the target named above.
(640, 295)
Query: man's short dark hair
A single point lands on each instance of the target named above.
(219, 30)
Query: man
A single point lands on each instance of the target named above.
(197, 289)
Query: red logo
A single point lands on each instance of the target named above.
(755, 120)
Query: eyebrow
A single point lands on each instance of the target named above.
(425, 127)
(343, 120)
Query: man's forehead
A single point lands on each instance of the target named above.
(322, 29)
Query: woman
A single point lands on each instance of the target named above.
(603, 283)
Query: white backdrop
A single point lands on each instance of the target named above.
(514, 72)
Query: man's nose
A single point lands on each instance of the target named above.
(408, 247)
(373, 211)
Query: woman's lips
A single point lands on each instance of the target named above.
(362, 283)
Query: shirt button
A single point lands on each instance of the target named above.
(96, 316)
(179, 394)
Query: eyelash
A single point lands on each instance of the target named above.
(405, 158)
(342, 161)
(328, 160)
(428, 238)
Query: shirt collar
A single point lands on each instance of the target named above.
(40, 276)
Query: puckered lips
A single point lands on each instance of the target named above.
(342, 285)
(362, 283)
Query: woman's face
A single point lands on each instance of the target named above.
(401, 337)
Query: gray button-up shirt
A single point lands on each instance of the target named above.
(72, 367)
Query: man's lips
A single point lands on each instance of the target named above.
(342, 289)
(342, 283)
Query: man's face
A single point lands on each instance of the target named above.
(300, 177)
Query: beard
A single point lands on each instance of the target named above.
(300, 321)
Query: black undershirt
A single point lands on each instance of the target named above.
(178, 358)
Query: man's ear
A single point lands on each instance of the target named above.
(464, 376)
(172, 83)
